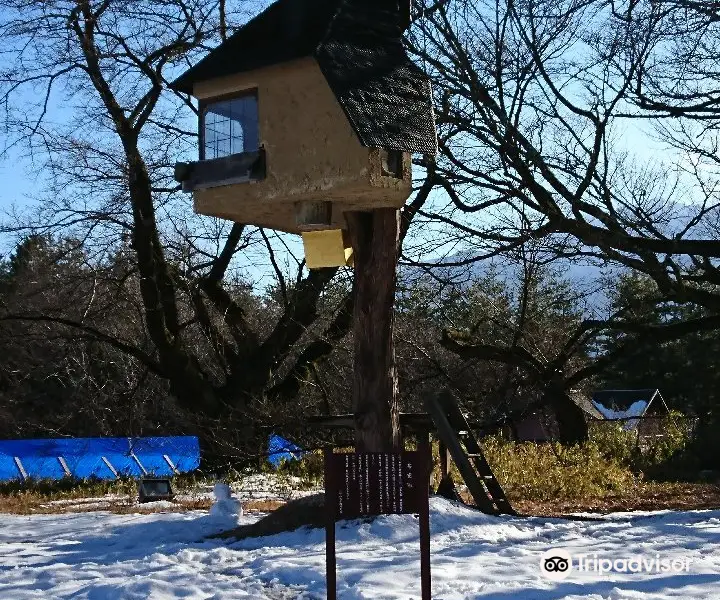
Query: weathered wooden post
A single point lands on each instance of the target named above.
(375, 237)
(308, 116)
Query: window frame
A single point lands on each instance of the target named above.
(203, 103)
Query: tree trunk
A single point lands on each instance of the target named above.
(375, 242)
(572, 426)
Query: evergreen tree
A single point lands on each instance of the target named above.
(684, 368)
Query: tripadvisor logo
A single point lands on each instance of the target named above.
(557, 564)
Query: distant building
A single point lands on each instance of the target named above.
(541, 426)
(636, 410)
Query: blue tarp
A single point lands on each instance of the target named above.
(280, 449)
(89, 457)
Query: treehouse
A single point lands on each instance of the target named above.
(310, 110)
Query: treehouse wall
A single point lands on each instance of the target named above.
(312, 152)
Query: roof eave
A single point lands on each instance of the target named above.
(182, 85)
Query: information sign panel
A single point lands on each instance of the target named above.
(377, 483)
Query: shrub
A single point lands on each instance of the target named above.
(309, 468)
(551, 471)
(669, 449)
(651, 456)
(614, 442)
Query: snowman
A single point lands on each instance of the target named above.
(225, 506)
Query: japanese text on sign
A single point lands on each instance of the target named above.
(375, 483)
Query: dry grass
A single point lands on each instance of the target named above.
(117, 496)
(281, 516)
(645, 496)
(32, 504)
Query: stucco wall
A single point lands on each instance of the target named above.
(312, 152)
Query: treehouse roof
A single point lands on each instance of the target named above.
(358, 45)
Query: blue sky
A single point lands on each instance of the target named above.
(19, 180)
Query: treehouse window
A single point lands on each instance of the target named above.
(229, 127)
(392, 163)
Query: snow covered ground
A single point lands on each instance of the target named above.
(100, 556)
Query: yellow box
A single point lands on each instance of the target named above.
(326, 248)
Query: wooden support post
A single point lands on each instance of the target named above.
(424, 517)
(375, 239)
(446, 486)
(313, 215)
(330, 514)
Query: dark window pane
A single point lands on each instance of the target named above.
(231, 127)
(392, 163)
(156, 488)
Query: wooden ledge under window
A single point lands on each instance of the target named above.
(237, 168)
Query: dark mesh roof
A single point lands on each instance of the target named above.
(384, 95)
(358, 45)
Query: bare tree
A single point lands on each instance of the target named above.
(533, 98)
(535, 103)
(84, 91)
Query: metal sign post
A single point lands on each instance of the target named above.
(377, 483)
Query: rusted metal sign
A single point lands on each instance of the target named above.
(375, 483)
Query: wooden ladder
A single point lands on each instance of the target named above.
(454, 432)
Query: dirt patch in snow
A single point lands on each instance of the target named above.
(302, 512)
